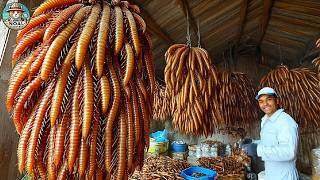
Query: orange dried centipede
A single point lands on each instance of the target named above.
(93, 145)
(22, 146)
(119, 30)
(36, 65)
(86, 35)
(145, 117)
(34, 85)
(88, 99)
(133, 31)
(129, 117)
(34, 22)
(150, 71)
(59, 20)
(141, 22)
(50, 4)
(142, 88)
(105, 93)
(41, 150)
(122, 146)
(136, 117)
(75, 126)
(102, 39)
(62, 175)
(36, 127)
(60, 139)
(51, 168)
(83, 155)
(59, 42)
(112, 115)
(61, 85)
(129, 64)
(27, 41)
(17, 79)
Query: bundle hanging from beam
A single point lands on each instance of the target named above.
(316, 63)
(299, 94)
(190, 85)
(161, 105)
(236, 97)
(81, 90)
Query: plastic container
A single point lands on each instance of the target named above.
(179, 155)
(213, 151)
(228, 150)
(193, 161)
(192, 147)
(315, 159)
(157, 147)
(198, 152)
(209, 174)
(178, 147)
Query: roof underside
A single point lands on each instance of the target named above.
(282, 30)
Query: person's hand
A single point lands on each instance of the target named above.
(256, 141)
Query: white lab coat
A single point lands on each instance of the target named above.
(278, 146)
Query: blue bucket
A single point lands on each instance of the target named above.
(176, 147)
(209, 174)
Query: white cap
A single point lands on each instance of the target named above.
(266, 90)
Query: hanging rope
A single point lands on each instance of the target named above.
(280, 53)
(199, 34)
(189, 43)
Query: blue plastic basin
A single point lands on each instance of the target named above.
(175, 147)
(209, 174)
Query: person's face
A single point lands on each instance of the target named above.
(268, 104)
(15, 14)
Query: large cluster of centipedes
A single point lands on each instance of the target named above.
(81, 90)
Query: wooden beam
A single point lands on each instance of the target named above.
(313, 54)
(311, 51)
(243, 15)
(184, 6)
(302, 8)
(152, 26)
(267, 6)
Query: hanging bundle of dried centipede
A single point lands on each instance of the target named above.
(161, 104)
(236, 96)
(316, 62)
(299, 94)
(190, 83)
(81, 90)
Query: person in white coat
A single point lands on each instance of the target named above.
(278, 142)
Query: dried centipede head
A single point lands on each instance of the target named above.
(318, 43)
(115, 2)
(93, 1)
(316, 62)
